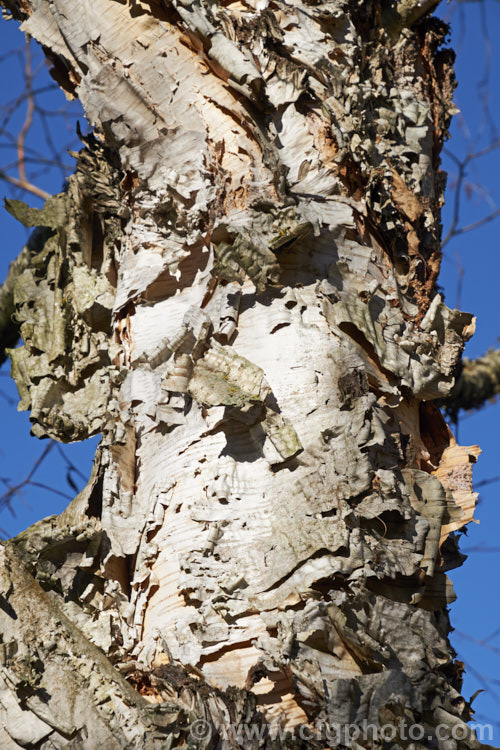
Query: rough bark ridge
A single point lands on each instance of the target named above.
(238, 290)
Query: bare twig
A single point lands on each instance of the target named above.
(462, 166)
(29, 111)
(485, 482)
(25, 185)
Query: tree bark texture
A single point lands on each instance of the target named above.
(238, 291)
(478, 383)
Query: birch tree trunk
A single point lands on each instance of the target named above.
(238, 289)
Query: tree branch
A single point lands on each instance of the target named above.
(24, 185)
(479, 382)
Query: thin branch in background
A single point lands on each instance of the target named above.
(14, 491)
(25, 185)
(479, 223)
(28, 87)
(71, 466)
(50, 489)
(462, 166)
(490, 637)
(485, 482)
(483, 642)
(19, 129)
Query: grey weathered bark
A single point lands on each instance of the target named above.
(9, 327)
(238, 291)
(478, 383)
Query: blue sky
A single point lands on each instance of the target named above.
(470, 277)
